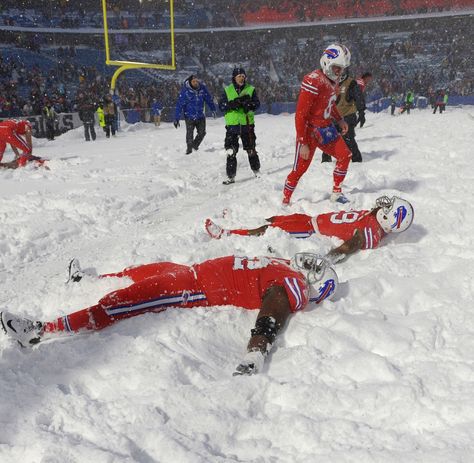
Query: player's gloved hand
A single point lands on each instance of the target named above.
(361, 118)
(252, 363)
(234, 104)
(248, 105)
(176, 124)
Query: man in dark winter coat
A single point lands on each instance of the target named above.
(351, 105)
(87, 116)
(238, 102)
(191, 101)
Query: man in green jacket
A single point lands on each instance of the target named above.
(409, 102)
(238, 103)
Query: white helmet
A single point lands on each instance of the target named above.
(321, 277)
(335, 55)
(395, 214)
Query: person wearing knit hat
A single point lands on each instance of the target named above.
(191, 101)
(239, 103)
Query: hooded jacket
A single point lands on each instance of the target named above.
(191, 101)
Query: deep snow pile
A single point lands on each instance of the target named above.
(384, 373)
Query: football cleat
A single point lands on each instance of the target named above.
(214, 230)
(26, 332)
(339, 198)
(75, 273)
(229, 181)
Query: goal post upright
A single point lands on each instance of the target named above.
(125, 65)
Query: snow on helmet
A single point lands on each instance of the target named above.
(395, 214)
(321, 277)
(335, 55)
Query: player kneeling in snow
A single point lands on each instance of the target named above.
(275, 287)
(358, 229)
(12, 132)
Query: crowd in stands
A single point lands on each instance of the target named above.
(133, 14)
(415, 58)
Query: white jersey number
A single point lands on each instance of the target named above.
(344, 217)
(327, 111)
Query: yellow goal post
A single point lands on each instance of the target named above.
(125, 65)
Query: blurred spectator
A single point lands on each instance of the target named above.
(50, 118)
(156, 108)
(409, 102)
(110, 116)
(87, 116)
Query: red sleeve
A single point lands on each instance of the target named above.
(335, 114)
(308, 94)
(372, 236)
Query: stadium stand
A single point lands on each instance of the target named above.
(420, 53)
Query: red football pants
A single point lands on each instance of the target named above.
(155, 287)
(337, 148)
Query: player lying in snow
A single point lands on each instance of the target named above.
(358, 229)
(275, 287)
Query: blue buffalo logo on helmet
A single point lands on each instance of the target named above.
(325, 290)
(399, 214)
(331, 53)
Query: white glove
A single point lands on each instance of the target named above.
(252, 363)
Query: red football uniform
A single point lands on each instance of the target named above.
(231, 280)
(10, 132)
(316, 110)
(316, 105)
(342, 225)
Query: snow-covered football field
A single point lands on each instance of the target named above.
(385, 373)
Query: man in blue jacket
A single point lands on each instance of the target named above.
(191, 101)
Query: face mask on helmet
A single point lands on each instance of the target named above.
(321, 277)
(335, 55)
(395, 214)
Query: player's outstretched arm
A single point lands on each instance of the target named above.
(272, 316)
(348, 247)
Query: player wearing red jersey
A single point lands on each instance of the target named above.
(358, 229)
(17, 133)
(315, 112)
(275, 287)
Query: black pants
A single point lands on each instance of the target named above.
(89, 131)
(392, 109)
(109, 124)
(441, 107)
(350, 140)
(50, 130)
(406, 108)
(200, 126)
(248, 137)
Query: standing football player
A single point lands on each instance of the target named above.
(358, 229)
(315, 112)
